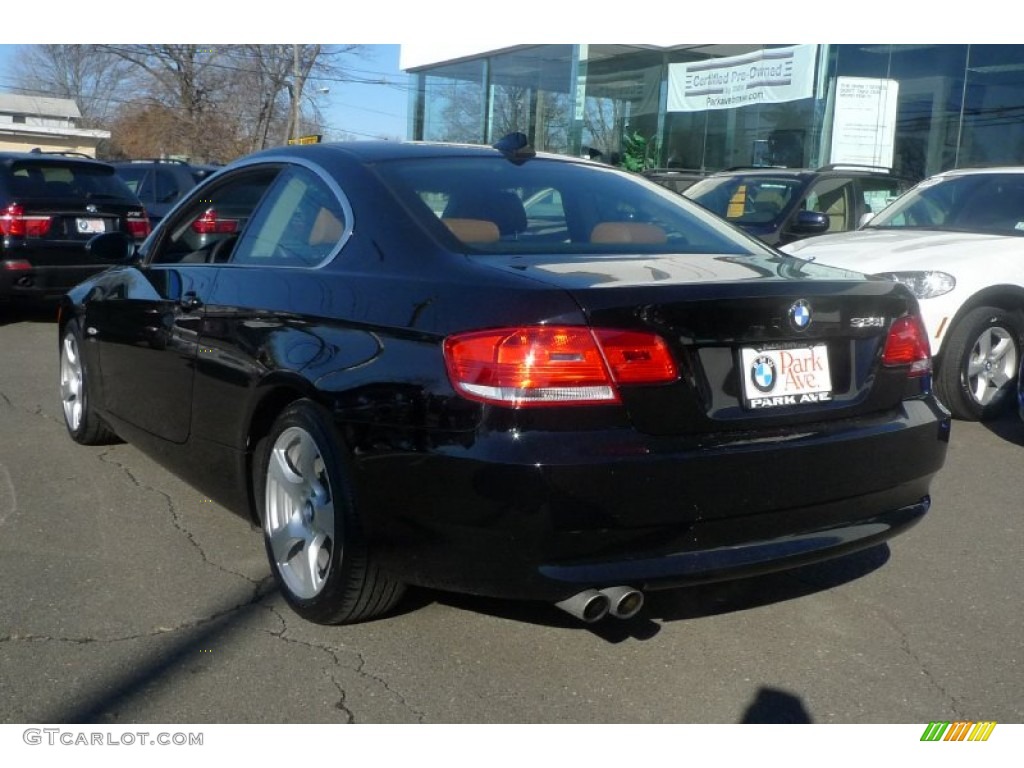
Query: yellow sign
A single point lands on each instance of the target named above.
(313, 139)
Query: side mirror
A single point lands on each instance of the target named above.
(809, 223)
(864, 219)
(115, 247)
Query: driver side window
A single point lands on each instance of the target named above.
(207, 229)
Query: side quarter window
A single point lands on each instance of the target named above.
(299, 224)
(878, 193)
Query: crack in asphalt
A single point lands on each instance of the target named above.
(38, 411)
(904, 640)
(260, 592)
(176, 520)
(925, 670)
(359, 669)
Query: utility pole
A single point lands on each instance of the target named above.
(296, 94)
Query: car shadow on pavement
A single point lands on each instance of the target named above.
(674, 604)
(34, 313)
(1008, 426)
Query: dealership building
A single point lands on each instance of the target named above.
(918, 108)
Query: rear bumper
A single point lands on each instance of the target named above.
(545, 516)
(42, 283)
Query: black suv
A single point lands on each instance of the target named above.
(780, 205)
(51, 204)
(160, 183)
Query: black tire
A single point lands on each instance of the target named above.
(80, 418)
(977, 374)
(312, 531)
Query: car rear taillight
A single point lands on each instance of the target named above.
(907, 344)
(16, 265)
(138, 228)
(554, 365)
(14, 223)
(211, 224)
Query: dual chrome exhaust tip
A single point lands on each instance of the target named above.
(592, 605)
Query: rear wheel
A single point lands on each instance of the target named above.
(978, 372)
(80, 418)
(311, 528)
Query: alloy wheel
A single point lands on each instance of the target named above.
(300, 518)
(71, 389)
(992, 364)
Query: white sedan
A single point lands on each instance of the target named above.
(957, 241)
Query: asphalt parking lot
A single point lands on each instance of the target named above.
(130, 598)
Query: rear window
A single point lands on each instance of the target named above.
(133, 177)
(31, 180)
(550, 206)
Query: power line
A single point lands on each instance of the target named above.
(239, 53)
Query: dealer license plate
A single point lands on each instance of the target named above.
(773, 378)
(90, 226)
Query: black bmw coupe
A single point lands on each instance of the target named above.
(495, 371)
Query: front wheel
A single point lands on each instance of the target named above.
(311, 528)
(978, 372)
(80, 417)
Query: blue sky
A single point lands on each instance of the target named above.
(371, 110)
(362, 110)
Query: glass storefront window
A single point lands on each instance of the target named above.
(530, 94)
(936, 106)
(993, 117)
(453, 103)
(622, 105)
(929, 83)
(776, 133)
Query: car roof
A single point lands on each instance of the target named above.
(9, 158)
(842, 169)
(990, 170)
(378, 151)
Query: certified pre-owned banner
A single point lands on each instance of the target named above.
(768, 76)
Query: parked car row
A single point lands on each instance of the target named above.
(160, 183)
(957, 242)
(51, 203)
(781, 205)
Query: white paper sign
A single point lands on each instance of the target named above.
(864, 126)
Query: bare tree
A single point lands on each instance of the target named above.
(260, 92)
(96, 80)
(184, 78)
(603, 124)
(203, 102)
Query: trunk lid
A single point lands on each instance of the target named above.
(759, 340)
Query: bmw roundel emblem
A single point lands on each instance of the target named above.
(800, 314)
(762, 373)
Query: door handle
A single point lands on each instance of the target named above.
(189, 300)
